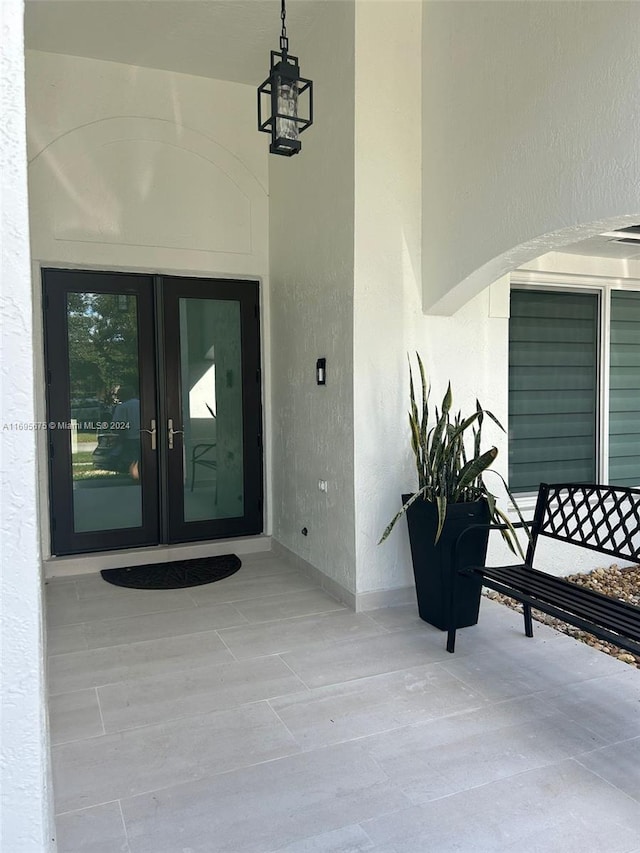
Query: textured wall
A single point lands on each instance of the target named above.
(469, 348)
(530, 116)
(139, 169)
(387, 273)
(24, 766)
(311, 251)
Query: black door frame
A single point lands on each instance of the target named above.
(172, 289)
(57, 283)
(158, 345)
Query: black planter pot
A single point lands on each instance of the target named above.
(432, 563)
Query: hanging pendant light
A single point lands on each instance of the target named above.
(281, 93)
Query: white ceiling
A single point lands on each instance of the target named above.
(224, 39)
(605, 246)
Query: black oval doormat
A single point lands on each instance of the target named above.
(177, 575)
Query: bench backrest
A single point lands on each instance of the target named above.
(602, 518)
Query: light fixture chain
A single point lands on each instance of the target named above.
(284, 41)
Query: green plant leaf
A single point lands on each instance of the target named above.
(510, 536)
(450, 463)
(462, 425)
(425, 405)
(399, 514)
(514, 503)
(474, 468)
(494, 419)
(441, 503)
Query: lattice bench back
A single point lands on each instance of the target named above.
(602, 518)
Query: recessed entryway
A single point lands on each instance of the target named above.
(153, 408)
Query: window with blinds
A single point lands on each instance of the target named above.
(553, 387)
(624, 389)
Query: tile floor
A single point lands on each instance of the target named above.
(258, 715)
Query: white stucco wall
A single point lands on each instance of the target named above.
(468, 348)
(530, 112)
(25, 822)
(387, 274)
(471, 349)
(311, 249)
(144, 170)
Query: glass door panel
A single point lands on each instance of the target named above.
(213, 408)
(100, 360)
(211, 391)
(104, 381)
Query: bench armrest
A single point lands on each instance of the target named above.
(487, 526)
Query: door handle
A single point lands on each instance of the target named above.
(171, 431)
(152, 432)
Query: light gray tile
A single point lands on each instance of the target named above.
(287, 634)
(322, 664)
(151, 626)
(357, 708)
(264, 807)
(195, 691)
(500, 627)
(561, 808)
(59, 580)
(57, 594)
(66, 638)
(96, 830)
(288, 605)
(529, 666)
(73, 716)
(126, 763)
(262, 567)
(95, 586)
(347, 839)
(239, 588)
(126, 602)
(617, 764)
(609, 706)
(96, 667)
(401, 618)
(313, 802)
(467, 750)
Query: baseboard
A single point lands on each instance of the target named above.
(333, 588)
(377, 598)
(82, 564)
(373, 600)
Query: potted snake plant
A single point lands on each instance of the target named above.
(451, 496)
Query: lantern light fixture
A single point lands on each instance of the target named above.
(281, 96)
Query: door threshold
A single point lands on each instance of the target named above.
(83, 564)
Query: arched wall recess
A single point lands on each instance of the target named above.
(529, 130)
(145, 192)
(519, 255)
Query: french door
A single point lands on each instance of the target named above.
(153, 409)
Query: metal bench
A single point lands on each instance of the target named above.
(602, 518)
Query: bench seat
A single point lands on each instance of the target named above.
(605, 519)
(606, 618)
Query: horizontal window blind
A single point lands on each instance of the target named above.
(624, 389)
(553, 359)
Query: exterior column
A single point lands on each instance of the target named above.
(26, 818)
